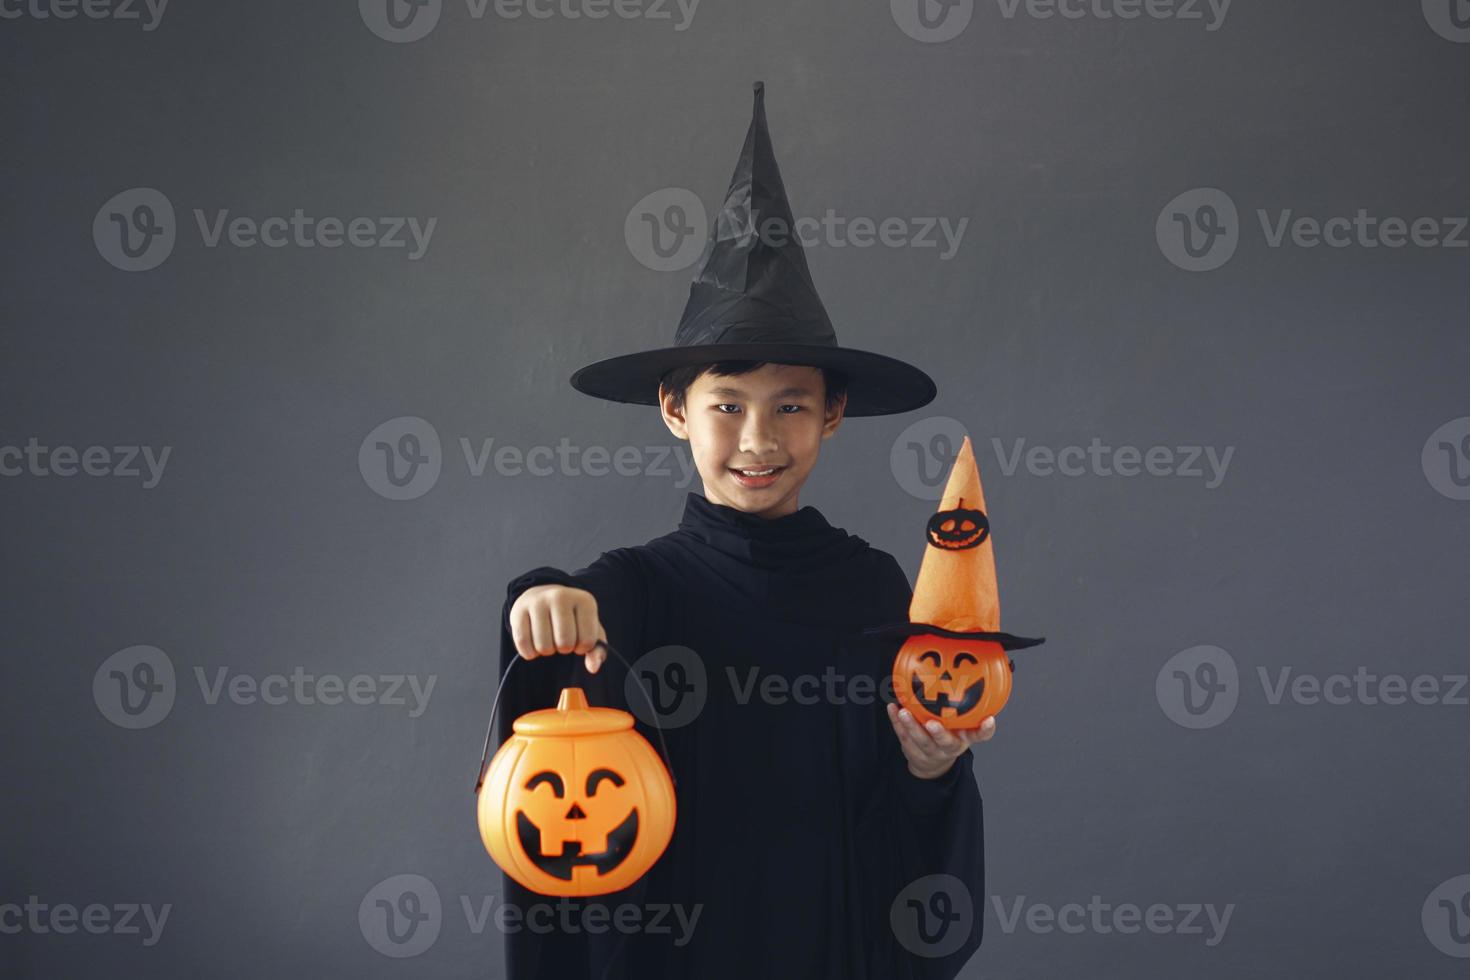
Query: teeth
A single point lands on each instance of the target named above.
(758, 472)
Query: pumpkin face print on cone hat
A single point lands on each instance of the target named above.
(953, 667)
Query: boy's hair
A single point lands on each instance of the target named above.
(679, 379)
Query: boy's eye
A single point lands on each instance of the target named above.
(723, 405)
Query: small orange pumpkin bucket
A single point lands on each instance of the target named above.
(576, 802)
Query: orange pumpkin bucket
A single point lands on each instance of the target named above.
(576, 802)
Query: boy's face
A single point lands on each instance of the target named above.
(773, 416)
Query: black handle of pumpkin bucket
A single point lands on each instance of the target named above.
(495, 706)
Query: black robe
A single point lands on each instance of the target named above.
(798, 823)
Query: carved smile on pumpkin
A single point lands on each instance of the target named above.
(620, 839)
(942, 699)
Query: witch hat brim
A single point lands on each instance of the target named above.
(877, 385)
(1008, 641)
(754, 299)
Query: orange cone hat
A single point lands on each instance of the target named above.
(956, 593)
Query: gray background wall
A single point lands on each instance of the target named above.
(1333, 543)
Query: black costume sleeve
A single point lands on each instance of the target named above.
(615, 581)
(924, 827)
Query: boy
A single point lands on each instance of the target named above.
(804, 814)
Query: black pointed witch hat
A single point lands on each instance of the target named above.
(754, 300)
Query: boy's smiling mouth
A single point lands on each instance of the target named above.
(756, 477)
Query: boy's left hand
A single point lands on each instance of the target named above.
(932, 750)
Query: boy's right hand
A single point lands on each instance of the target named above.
(547, 619)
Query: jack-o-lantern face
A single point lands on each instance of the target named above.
(957, 682)
(578, 804)
(577, 839)
(956, 529)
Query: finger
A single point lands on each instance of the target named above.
(982, 733)
(911, 749)
(589, 631)
(922, 741)
(585, 626)
(600, 652)
(946, 741)
(540, 621)
(564, 627)
(520, 633)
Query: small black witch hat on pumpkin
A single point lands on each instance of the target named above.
(754, 299)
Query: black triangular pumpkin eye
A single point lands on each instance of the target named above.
(962, 657)
(597, 776)
(928, 654)
(547, 777)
